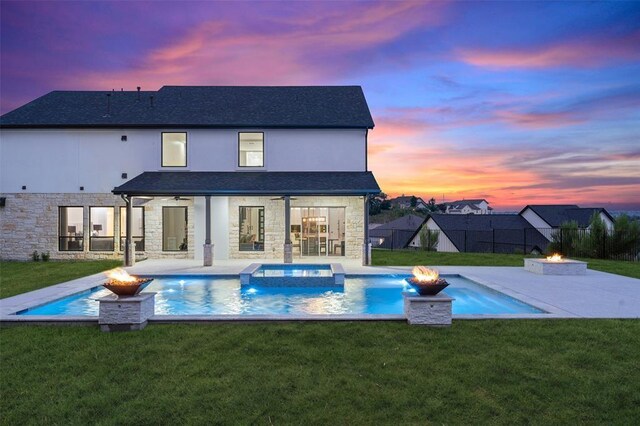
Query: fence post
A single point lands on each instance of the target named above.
(524, 240)
(561, 245)
(493, 240)
(465, 240)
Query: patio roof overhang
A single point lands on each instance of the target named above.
(249, 183)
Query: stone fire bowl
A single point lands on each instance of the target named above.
(428, 289)
(127, 289)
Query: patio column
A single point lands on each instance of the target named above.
(366, 246)
(208, 247)
(129, 248)
(288, 253)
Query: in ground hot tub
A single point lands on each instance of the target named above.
(298, 275)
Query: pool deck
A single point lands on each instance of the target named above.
(593, 295)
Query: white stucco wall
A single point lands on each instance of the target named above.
(61, 161)
(537, 222)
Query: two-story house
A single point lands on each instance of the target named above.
(188, 172)
(480, 206)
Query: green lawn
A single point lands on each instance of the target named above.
(476, 372)
(20, 277)
(411, 257)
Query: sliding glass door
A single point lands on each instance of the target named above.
(318, 231)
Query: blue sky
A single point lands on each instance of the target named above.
(518, 102)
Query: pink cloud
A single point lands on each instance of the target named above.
(314, 53)
(578, 53)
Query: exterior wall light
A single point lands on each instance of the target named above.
(123, 138)
(124, 176)
(82, 188)
(24, 187)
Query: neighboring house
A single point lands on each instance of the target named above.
(395, 234)
(480, 206)
(404, 202)
(494, 233)
(192, 172)
(548, 217)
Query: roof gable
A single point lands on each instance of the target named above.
(199, 106)
(557, 214)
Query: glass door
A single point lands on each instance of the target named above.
(318, 231)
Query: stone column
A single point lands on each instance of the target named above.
(288, 252)
(208, 247)
(129, 248)
(366, 246)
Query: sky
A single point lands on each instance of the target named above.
(517, 102)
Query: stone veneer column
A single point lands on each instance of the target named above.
(208, 247)
(129, 248)
(288, 253)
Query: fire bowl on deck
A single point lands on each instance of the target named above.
(126, 288)
(428, 288)
(426, 281)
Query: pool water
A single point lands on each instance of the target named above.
(372, 294)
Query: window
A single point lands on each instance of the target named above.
(137, 228)
(174, 229)
(70, 228)
(251, 149)
(101, 223)
(251, 228)
(174, 150)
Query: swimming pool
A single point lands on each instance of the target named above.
(223, 295)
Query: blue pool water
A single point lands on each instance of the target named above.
(377, 294)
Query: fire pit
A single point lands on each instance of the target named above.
(426, 281)
(555, 258)
(555, 265)
(123, 284)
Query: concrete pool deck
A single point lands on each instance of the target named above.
(593, 295)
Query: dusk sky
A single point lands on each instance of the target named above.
(517, 102)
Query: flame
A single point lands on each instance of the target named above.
(120, 275)
(555, 258)
(424, 274)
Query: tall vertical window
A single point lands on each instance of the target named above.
(251, 149)
(101, 223)
(70, 228)
(174, 229)
(137, 227)
(251, 228)
(174, 150)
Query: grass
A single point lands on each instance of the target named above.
(411, 257)
(498, 372)
(20, 277)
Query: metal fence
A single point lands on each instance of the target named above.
(569, 242)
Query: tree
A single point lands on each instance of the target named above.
(378, 203)
(432, 206)
(413, 202)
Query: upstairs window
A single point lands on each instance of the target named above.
(174, 150)
(251, 149)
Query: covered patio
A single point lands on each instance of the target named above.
(282, 191)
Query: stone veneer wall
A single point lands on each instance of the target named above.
(29, 222)
(274, 224)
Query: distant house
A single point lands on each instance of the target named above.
(495, 233)
(547, 217)
(395, 234)
(404, 202)
(479, 206)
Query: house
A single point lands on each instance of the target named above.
(548, 217)
(205, 172)
(494, 233)
(404, 202)
(395, 234)
(479, 206)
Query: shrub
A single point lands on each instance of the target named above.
(428, 239)
(35, 256)
(46, 256)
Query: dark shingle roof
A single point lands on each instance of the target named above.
(556, 214)
(199, 106)
(490, 232)
(250, 183)
(398, 233)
